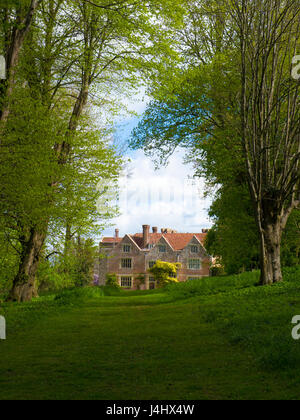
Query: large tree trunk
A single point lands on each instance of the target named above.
(24, 285)
(270, 254)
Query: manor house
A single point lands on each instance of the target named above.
(131, 257)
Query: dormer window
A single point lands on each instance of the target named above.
(162, 248)
(126, 248)
(194, 249)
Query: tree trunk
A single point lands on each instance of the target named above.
(270, 254)
(68, 239)
(24, 284)
(22, 26)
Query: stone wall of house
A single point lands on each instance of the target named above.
(154, 255)
(138, 263)
(184, 257)
(102, 266)
(141, 259)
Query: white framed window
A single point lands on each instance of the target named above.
(126, 248)
(151, 263)
(126, 263)
(162, 248)
(195, 264)
(194, 249)
(126, 282)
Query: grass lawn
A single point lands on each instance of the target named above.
(219, 338)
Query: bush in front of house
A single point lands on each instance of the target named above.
(112, 281)
(165, 273)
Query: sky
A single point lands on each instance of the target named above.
(165, 198)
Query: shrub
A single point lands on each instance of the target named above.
(50, 279)
(78, 294)
(217, 271)
(165, 273)
(112, 281)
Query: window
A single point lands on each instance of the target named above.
(162, 248)
(173, 275)
(194, 264)
(194, 249)
(126, 248)
(126, 263)
(151, 263)
(193, 278)
(126, 282)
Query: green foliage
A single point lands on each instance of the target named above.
(290, 251)
(74, 268)
(79, 63)
(112, 281)
(213, 285)
(79, 262)
(51, 278)
(78, 295)
(234, 237)
(238, 338)
(196, 109)
(217, 271)
(9, 259)
(165, 272)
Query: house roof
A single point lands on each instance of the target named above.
(111, 240)
(178, 241)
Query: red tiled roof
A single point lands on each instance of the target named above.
(177, 240)
(111, 240)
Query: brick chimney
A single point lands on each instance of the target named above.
(155, 229)
(117, 233)
(146, 235)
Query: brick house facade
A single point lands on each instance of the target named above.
(130, 257)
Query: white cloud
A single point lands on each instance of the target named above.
(164, 198)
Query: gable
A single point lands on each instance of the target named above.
(196, 241)
(127, 240)
(164, 241)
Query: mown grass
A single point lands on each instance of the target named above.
(216, 338)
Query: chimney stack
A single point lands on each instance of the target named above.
(117, 233)
(146, 235)
(155, 229)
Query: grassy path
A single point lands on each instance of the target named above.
(129, 348)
